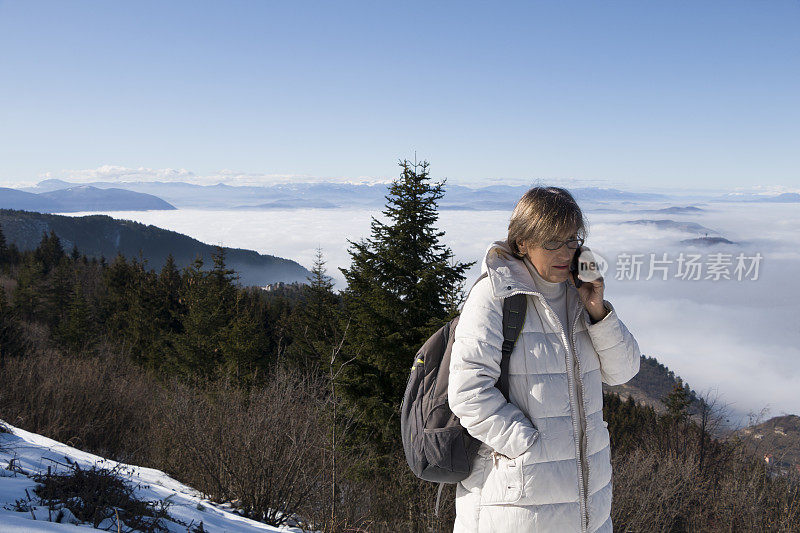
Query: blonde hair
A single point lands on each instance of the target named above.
(544, 214)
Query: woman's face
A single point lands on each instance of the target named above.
(552, 265)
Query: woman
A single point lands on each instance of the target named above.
(544, 462)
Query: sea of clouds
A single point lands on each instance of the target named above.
(737, 339)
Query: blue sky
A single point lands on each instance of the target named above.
(689, 94)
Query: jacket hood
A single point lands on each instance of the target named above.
(509, 275)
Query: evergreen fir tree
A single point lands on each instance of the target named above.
(402, 285)
(44, 282)
(29, 299)
(116, 304)
(244, 342)
(169, 282)
(145, 324)
(49, 252)
(314, 325)
(678, 401)
(58, 290)
(223, 277)
(214, 336)
(74, 329)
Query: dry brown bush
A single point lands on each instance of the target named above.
(264, 447)
(401, 502)
(98, 403)
(661, 487)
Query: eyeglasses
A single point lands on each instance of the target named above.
(572, 244)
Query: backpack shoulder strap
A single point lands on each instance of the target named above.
(514, 309)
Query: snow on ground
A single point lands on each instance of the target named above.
(28, 454)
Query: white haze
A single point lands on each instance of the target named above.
(740, 339)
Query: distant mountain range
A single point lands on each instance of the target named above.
(787, 197)
(325, 195)
(80, 198)
(101, 235)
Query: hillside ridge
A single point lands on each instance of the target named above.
(103, 236)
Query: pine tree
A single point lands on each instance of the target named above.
(223, 277)
(117, 280)
(314, 325)
(678, 401)
(49, 252)
(169, 282)
(402, 285)
(219, 328)
(44, 282)
(244, 343)
(74, 329)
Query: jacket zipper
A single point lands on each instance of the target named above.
(573, 403)
(583, 401)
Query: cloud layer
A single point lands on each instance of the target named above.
(740, 338)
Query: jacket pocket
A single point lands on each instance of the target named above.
(504, 480)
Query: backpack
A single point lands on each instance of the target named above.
(436, 445)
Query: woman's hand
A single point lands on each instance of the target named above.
(591, 294)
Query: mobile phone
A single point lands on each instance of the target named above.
(574, 268)
(586, 267)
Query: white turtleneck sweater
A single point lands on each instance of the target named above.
(554, 293)
(556, 296)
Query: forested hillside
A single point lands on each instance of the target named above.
(100, 236)
(653, 384)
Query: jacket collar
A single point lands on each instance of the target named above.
(509, 275)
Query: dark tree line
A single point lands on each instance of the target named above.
(194, 321)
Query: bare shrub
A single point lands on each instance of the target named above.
(102, 404)
(267, 448)
(680, 480)
(263, 448)
(96, 495)
(402, 502)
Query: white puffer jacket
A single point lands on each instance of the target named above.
(535, 485)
